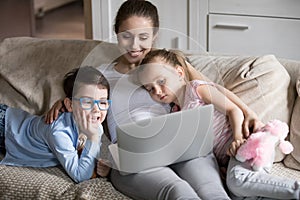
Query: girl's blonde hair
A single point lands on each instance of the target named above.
(172, 57)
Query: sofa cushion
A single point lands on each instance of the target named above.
(293, 160)
(31, 69)
(261, 82)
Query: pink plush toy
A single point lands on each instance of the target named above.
(259, 148)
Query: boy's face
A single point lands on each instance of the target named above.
(94, 92)
(161, 80)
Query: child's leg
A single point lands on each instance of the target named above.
(2, 127)
(203, 175)
(157, 184)
(242, 181)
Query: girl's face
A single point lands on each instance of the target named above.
(163, 82)
(135, 38)
(92, 92)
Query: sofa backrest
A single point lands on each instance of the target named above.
(32, 70)
(31, 73)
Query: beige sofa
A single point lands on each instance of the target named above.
(31, 72)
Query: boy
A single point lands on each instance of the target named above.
(29, 141)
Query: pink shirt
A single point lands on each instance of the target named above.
(222, 129)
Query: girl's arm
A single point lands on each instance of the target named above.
(212, 95)
(251, 120)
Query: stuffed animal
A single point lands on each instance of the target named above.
(259, 149)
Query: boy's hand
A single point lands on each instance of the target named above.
(103, 167)
(87, 126)
(52, 114)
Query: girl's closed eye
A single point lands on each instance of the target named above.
(148, 88)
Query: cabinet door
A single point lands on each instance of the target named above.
(254, 35)
(173, 16)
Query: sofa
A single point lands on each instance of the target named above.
(31, 72)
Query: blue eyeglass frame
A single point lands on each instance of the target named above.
(94, 102)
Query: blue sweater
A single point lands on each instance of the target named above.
(31, 142)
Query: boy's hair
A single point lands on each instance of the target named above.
(139, 8)
(83, 75)
(172, 57)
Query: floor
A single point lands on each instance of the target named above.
(66, 22)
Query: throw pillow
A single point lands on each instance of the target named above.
(293, 160)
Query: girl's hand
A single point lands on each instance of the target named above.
(86, 125)
(52, 114)
(251, 124)
(103, 167)
(234, 146)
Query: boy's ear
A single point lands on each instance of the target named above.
(68, 104)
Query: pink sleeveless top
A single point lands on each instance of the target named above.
(221, 127)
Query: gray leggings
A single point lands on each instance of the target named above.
(194, 179)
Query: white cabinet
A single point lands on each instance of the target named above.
(173, 16)
(253, 27)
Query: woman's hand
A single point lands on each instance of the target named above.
(52, 114)
(103, 167)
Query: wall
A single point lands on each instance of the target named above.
(47, 5)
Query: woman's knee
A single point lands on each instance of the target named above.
(178, 190)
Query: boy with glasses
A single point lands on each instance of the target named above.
(29, 141)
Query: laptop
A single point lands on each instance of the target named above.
(163, 140)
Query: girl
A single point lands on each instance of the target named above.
(165, 76)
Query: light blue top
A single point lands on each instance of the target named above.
(31, 142)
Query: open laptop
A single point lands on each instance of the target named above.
(163, 140)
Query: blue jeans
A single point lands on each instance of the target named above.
(2, 127)
(243, 182)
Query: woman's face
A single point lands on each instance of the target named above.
(135, 38)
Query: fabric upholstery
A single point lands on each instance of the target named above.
(293, 160)
(31, 70)
(252, 79)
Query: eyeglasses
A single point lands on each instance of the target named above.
(87, 103)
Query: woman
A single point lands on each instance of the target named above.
(136, 26)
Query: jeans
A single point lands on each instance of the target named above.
(243, 182)
(2, 127)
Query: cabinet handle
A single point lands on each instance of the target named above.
(231, 26)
